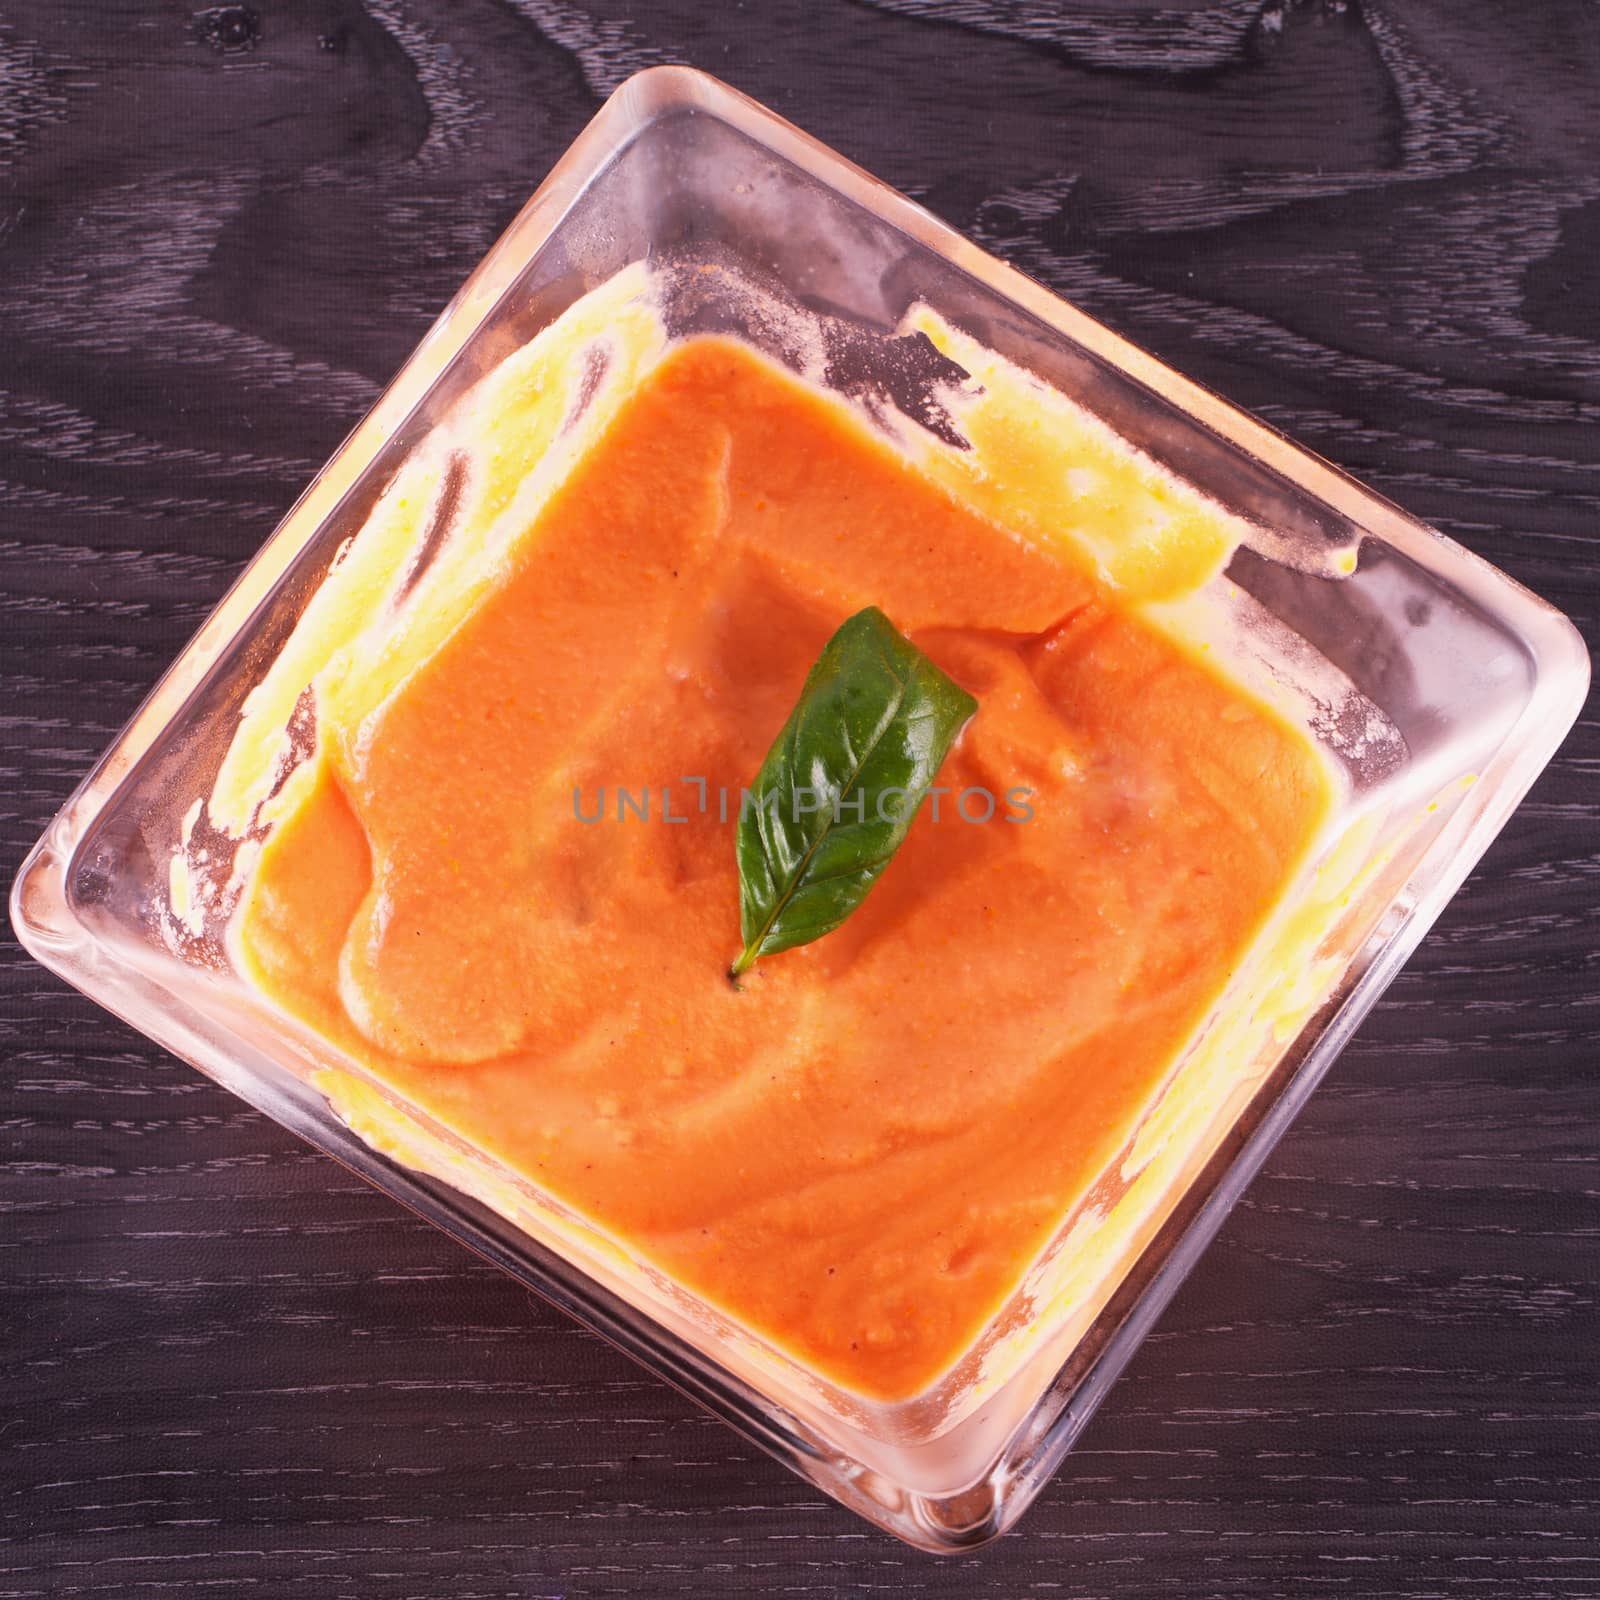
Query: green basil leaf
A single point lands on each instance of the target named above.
(839, 788)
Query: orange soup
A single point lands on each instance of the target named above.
(860, 1152)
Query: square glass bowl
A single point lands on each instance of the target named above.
(1439, 687)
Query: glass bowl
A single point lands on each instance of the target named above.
(1438, 687)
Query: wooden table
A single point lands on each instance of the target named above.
(230, 1370)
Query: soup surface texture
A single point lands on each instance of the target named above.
(860, 1152)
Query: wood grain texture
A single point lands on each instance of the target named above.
(232, 1370)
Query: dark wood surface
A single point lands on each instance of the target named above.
(231, 1370)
